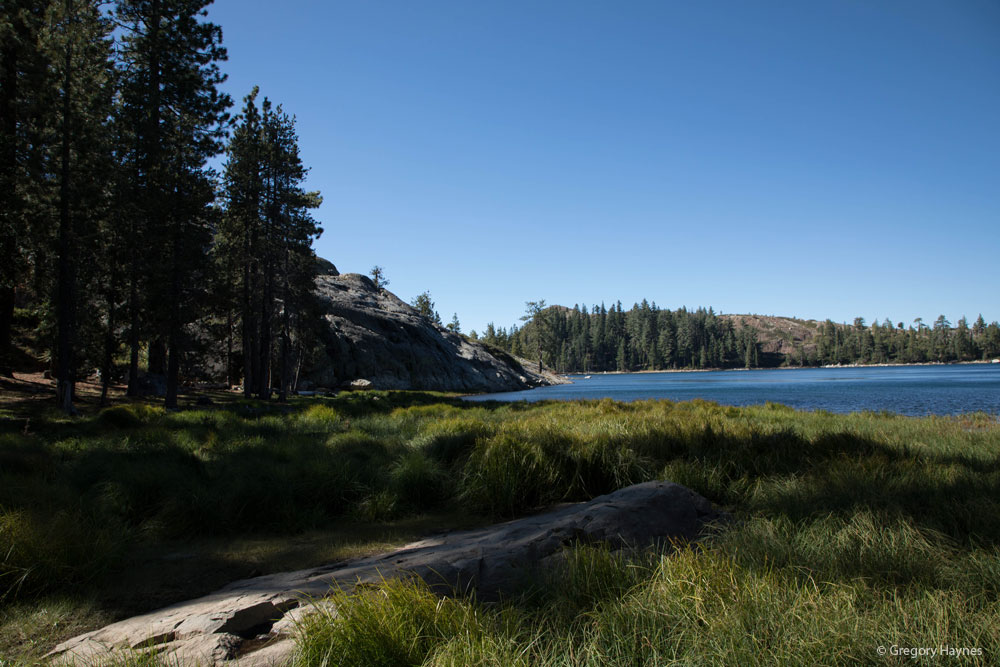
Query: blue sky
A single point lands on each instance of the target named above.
(812, 159)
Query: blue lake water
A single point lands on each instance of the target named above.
(908, 390)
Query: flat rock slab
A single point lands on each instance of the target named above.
(261, 612)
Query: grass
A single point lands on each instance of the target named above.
(854, 531)
(711, 606)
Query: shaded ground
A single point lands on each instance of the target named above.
(157, 575)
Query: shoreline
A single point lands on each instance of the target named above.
(775, 368)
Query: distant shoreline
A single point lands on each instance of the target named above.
(775, 368)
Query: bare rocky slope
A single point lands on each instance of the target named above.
(373, 335)
(780, 337)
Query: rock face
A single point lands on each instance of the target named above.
(216, 628)
(375, 336)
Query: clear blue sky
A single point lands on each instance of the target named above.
(817, 159)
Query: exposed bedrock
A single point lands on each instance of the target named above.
(372, 335)
(216, 629)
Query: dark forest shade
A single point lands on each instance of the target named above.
(114, 231)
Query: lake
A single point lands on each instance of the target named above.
(908, 390)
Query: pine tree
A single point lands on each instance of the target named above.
(170, 89)
(25, 83)
(425, 306)
(265, 244)
(535, 313)
(378, 277)
(77, 40)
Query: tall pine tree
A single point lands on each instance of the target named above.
(24, 87)
(265, 243)
(77, 41)
(171, 97)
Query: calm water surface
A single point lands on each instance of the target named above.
(909, 390)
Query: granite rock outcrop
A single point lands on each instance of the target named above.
(373, 335)
(261, 612)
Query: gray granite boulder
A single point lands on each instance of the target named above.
(262, 611)
(372, 335)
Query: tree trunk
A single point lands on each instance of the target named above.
(173, 340)
(65, 296)
(264, 359)
(174, 319)
(283, 362)
(8, 296)
(266, 305)
(9, 202)
(149, 150)
(249, 335)
(229, 347)
(133, 329)
(109, 344)
(285, 324)
(298, 366)
(173, 370)
(156, 363)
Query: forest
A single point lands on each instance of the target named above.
(646, 338)
(124, 250)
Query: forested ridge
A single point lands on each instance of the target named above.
(646, 337)
(123, 251)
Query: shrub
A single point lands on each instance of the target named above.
(129, 416)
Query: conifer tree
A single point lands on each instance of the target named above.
(265, 242)
(425, 306)
(170, 90)
(378, 277)
(77, 41)
(535, 313)
(24, 81)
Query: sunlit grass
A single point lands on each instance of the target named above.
(862, 517)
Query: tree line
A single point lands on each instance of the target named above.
(120, 244)
(612, 339)
(888, 343)
(646, 337)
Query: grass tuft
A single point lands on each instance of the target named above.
(400, 622)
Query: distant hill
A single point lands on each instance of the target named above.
(779, 337)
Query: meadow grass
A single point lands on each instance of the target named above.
(852, 531)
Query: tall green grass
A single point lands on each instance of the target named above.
(714, 605)
(858, 516)
(853, 532)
